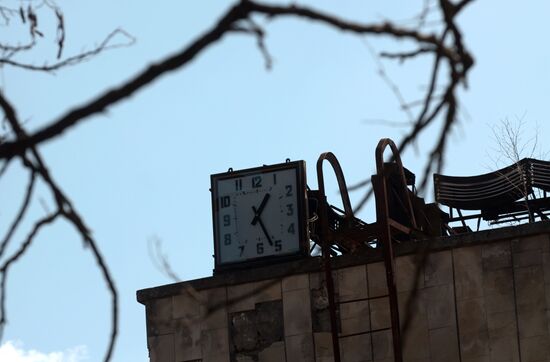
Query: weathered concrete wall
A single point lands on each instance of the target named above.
(478, 301)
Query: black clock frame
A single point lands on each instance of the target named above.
(300, 167)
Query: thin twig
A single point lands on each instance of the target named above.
(77, 59)
(393, 87)
(403, 56)
(6, 265)
(20, 214)
(259, 33)
(387, 123)
(160, 260)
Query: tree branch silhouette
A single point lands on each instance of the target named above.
(64, 209)
(4, 268)
(106, 44)
(445, 46)
(459, 61)
(20, 214)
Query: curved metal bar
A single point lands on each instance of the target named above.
(382, 144)
(382, 220)
(331, 158)
(325, 235)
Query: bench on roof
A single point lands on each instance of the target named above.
(500, 196)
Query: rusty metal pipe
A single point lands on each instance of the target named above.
(383, 221)
(325, 237)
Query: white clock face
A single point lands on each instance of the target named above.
(258, 215)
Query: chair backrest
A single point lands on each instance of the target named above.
(539, 172)
(485, 191)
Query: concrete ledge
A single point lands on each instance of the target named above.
(313, 264)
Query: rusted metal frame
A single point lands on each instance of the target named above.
(462, 218)
(383, 221)
(325, 237)
(449, 229)
(511, 218)
(394, 224)
(531, 214)
(331, 158)
(382, 144)
(465, 217)
(537, 210)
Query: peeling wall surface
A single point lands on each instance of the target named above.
(485, 297)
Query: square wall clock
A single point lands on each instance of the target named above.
(259, 215)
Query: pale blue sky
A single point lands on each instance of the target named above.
(142, 168)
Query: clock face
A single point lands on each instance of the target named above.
(259, 213)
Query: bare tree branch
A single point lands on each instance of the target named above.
(6, 265)
(60, 32)
(66, 210)
(259, 33)
(4, 167)
(393, 87)
(76, 59)
(159, 259)
(17, 48)
(77, 222)
(240, 11)
(384, 122)
(29, 17)
(403, 56)
(20, 214)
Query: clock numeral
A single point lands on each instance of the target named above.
(290, 209)
(238, 185)
(241, 248)
(227, 239)
(288, 189)
(257, 181)
(278, 245)
(226, 220)
(225, 201)
(291, 229)
(260, 248)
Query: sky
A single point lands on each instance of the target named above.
(141, 170)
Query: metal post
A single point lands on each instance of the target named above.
(382, 218)
(383, 222)
(325, 245)
(325, 240)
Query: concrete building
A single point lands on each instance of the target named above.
(482, 296)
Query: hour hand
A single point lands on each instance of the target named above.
(258, 212)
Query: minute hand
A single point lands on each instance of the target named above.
(265, 232)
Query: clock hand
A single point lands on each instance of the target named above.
(256, 220)
(265, 232)
(258, 212)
